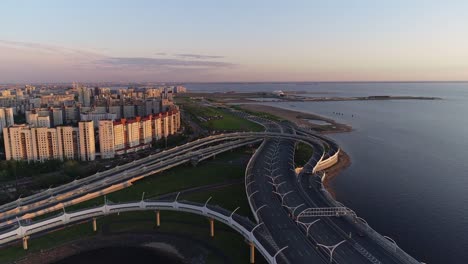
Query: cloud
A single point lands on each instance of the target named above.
(198, 56)
(48, 49)
(158, 63)
(34, 62)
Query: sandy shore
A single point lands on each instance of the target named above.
(304, 120)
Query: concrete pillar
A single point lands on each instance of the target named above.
(252, 253)
(25, 242)
(158, 219)
(211, 227)
(94, 225)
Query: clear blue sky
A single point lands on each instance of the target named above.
(233, 40)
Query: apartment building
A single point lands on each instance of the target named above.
(68, 143)
(106, 139)
(6, 117)
(87, 143)
(31, 144)
(130, 135)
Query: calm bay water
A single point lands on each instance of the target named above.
(409, 174)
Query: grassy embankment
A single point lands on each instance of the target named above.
(259, 114)
(302, 154)
(216, 119)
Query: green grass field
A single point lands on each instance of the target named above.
(259, 114)
(225, 121)
(302, 154)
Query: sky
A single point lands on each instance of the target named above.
(235, 41)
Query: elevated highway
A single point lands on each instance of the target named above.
(250, 231)
(298, 219)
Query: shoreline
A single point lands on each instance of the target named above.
(301, 119)
(344, 161)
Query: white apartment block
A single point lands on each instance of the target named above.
(43, 121)
(146, 129)
(68, 143)
(45, 143)
(106, 139)
(119, 136)
(6, 117)
(18, 143)
(86, 138)
(23, 142)
(157, 129)
(135, 134)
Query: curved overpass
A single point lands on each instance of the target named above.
(241, 225)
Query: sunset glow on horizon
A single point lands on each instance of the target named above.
(204, 41)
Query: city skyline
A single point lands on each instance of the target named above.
(208, 41)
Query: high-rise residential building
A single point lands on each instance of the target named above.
(165, 124)
(45, 143)
(96, 117)
(84, 96)
(130, 135)
(157, 127)
(31, 144)
(152, 106)
(72, 114)
(31, 118)
(57, 116)
(116, 109)
(106, 139)
(43, 121)
(128, 111)
(133, 133)
(119, 136)
(68, 142)
(165, 105)
(18, 143)
(86, 138)
(146, 130)
(6, 117)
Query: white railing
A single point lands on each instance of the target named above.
(246, 230)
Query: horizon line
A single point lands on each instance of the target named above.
(226, 82)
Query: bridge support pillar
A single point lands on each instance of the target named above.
(158, 219)
(94, 224)
(252, 253)
(25, 242)
(212, 234)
